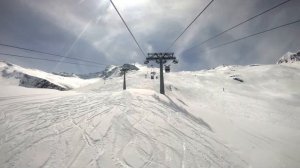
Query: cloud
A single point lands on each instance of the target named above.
(93, 30)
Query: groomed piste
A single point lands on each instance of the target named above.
(206, 119)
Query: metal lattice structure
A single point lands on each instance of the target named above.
(124, 70)
(161, 59)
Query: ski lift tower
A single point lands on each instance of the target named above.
(161, 59)
(124, 70)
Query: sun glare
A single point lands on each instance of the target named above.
(126, 4)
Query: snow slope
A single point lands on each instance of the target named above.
(16, 75)
(206, 119)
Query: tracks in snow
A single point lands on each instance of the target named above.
(121, 129)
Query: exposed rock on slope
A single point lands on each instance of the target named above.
(112, 70)
(35, 82)
(289, 58)
(32, 78)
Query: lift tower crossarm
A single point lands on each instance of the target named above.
(157, 56)
(161, 58)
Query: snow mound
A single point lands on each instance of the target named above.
(289, 58)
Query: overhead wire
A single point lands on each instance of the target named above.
(239, 24)
(44, 59)
(47, 53)
(142, 51)
(254, 34)
(172, 44)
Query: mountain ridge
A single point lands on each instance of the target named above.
(289, 57)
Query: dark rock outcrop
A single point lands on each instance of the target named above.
(34, 82)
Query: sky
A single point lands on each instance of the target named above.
(92, 30)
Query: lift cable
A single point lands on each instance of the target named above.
(235, 26)
(128, 28)
(172, 44)
(42, 52)
(255, 34)
(44, 59)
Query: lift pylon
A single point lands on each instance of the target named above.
(124, 70)
(161, 59)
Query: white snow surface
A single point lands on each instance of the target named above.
(206, 119)
(12, 74)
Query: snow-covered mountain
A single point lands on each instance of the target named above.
(115, 71)
(32, 78)
(289, 58)
(15, 75)
(207, 118)
(108, 72)
(65, 74)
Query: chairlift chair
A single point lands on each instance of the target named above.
(167, 68)
(152, 75)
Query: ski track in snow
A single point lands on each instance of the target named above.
(100, 126)
(108, 130)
